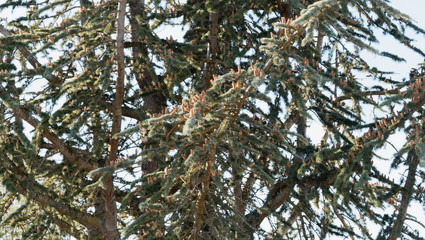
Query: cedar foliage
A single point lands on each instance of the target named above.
(215, 129)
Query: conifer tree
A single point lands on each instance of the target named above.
(111, 131)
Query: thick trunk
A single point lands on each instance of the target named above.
(110, 220)
(154, 102)
(285, 10)
(110, 230)
(99, 210)
(212, 48)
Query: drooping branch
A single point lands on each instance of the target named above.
(53, 80)
(341, 219)
(56, 141)
(211, 159)
(44, 200)
(371, 93)
(282, 189)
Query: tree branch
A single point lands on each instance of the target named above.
(119, 88)
(205, 188)
(290, 221)
(66, 227)
(341, 218)
(57, 142)
(110, 214)
(53, 80)
(415, 221)
(370, 93)
(276, 197)
(45, 201)
(405, 198)
(83, 218)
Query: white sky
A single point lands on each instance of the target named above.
(413, 8)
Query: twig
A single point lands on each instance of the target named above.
(342, 221)
(370, 93)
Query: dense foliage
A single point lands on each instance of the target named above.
(110, 130)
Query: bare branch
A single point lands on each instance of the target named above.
(341, 218)
(276, 197)
(290, 221)
(415, 221)
(405, 198)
